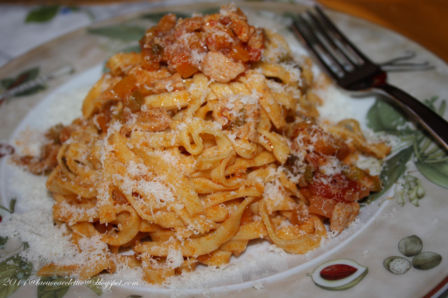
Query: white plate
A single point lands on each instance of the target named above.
(260, 270)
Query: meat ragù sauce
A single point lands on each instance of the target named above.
(220, 45)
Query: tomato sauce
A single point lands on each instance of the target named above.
(181, 44)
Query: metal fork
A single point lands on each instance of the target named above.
(353, 71)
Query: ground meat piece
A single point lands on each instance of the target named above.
(47, 160)
(6, 149)
(343, 214)
(220, 68)
(43, 164)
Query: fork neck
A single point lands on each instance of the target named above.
(380, 79)
(434, 124)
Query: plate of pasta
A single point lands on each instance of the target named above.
(211, 156)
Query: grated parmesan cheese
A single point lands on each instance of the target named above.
(174, 258)
(332, 166)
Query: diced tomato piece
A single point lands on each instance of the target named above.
(186, 70)
(337, 187)
(324, 192)
(103, 121)
(239, 53)
(125, 87)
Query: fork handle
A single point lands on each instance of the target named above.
(427, 118)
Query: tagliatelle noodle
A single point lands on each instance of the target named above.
(180, 161)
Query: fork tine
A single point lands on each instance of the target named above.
(303, 29)
(321, 28)
(330, 25)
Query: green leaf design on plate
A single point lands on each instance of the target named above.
(384, 117)
(210, 10)
(410, 189)
(289, 15)
(73, 8)
(120, 32)
(13, 271)
(42, 14)
(437, 173)
(130, 49)
(94, 286)
(3, 241)
(432, 159)
(393, 168)
(53, 287)
(23, 77)
(12, 206)
(156, 16)
(431, 103)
